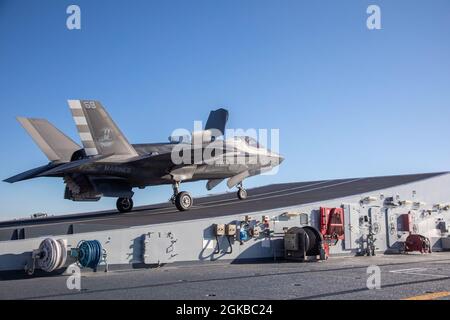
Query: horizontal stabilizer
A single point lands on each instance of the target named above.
(55, 144)
(30, 173)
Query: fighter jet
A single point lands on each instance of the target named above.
(107, 165)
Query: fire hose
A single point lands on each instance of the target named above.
(90, 253)
(51, 255)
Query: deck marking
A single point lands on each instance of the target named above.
(429, 296)
(407, 270)
(285, 194)
(417, 272)
(270, 192)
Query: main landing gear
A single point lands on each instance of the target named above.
(182, 200)
(242, 193)
(124, 204)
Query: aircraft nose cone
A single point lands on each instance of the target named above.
(277, 160)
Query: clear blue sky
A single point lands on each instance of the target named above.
(349, 102)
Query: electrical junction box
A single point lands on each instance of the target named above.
(304, 219)
(230, 229)
(219, 229)
(291, 241)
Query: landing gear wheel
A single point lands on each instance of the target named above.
(183, 201)
(242, 194)
(124, 204)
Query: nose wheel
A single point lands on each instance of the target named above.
(242, 193)
(124, 204)
(182, 200)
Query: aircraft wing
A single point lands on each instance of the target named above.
(150, 158)
(167, 157)
(72, 165)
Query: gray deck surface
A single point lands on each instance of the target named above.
(402, 276)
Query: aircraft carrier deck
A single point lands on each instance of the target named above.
(194, 257)
(260, 199)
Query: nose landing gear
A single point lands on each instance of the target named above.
(242, 193)
(124, 204)
(182, 200)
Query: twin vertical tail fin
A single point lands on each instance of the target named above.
(58, 147)
(98, 132)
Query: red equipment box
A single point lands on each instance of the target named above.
(332, 223)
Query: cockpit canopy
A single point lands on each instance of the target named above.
(240, 140)
(250, 141)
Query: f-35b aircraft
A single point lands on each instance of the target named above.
(109, 166)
